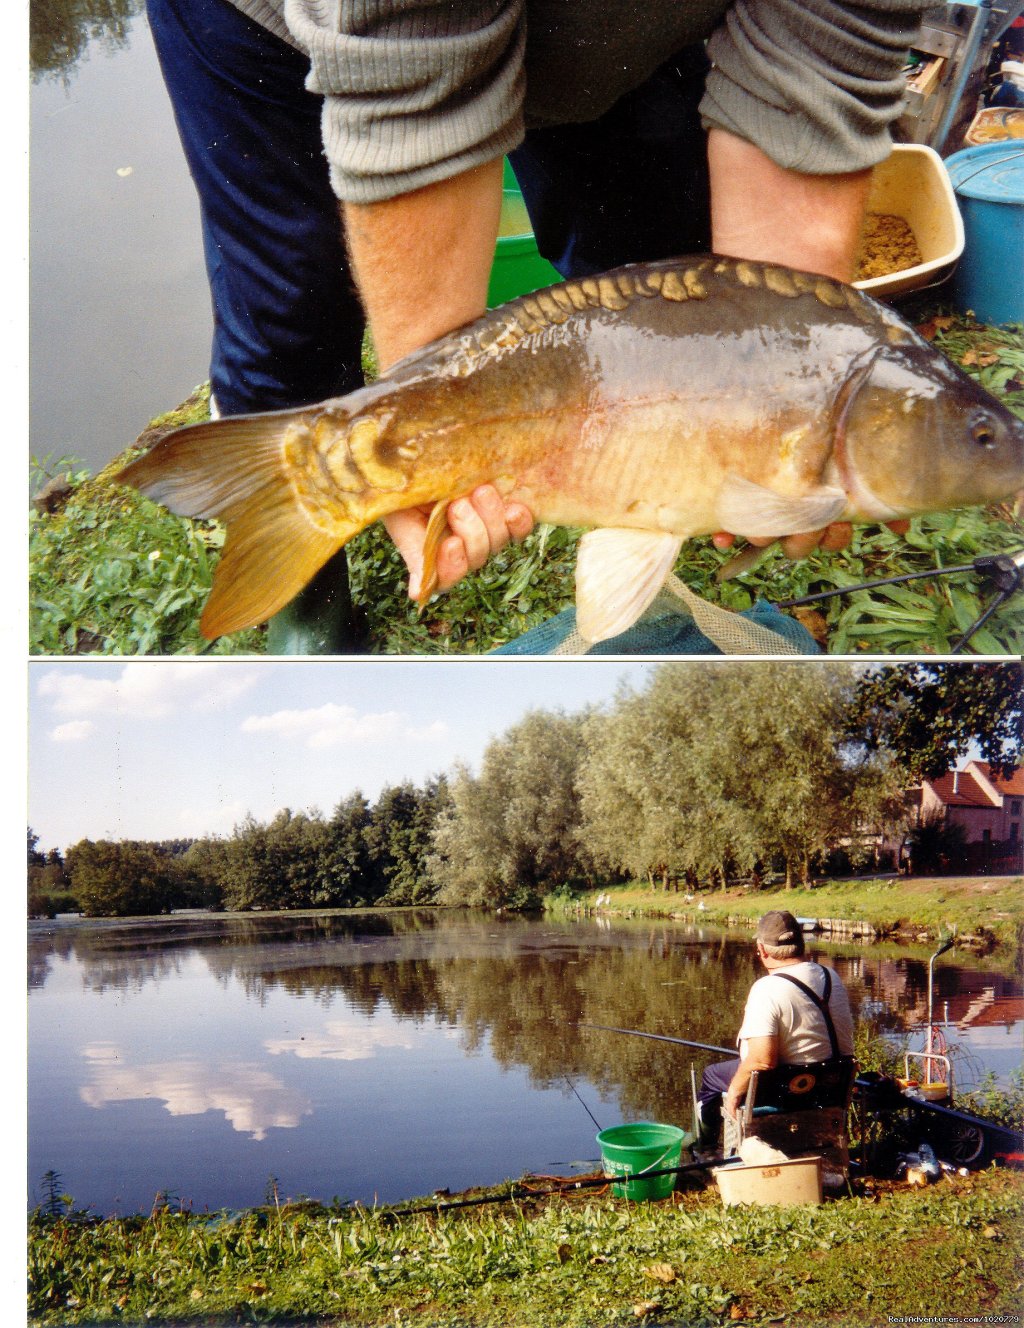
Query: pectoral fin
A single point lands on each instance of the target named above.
(746, 508)
(618, 574)
(437, 529)
(744, 561)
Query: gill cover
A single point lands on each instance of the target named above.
(913, 433)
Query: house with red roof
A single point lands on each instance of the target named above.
(987, 806)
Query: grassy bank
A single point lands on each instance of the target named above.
(576, 1263)
(112, 573)
(988, 911)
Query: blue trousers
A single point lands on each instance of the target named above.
(631, 186)
(288, 325)
(714, 1080)
(287, 322)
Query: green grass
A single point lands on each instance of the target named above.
(115, 574)
(988, 907)
(590, 1262)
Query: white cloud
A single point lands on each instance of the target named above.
(149, 690)
(333, 725)
(428, 732)
(77, 730)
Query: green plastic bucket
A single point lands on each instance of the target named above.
(628, 1150)
(518, 267)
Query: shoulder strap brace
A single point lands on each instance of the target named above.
(820, 1001)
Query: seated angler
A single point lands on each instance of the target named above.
(797, 1015)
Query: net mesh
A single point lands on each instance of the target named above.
(677, 623)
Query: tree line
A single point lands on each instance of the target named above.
(711, 772)
(361, 854)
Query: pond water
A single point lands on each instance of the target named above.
(385, 1055)
(120, 319)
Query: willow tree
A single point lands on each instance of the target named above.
(801, 786)
(653, 800)
(511, 832)
(621, 807)
(715, 766)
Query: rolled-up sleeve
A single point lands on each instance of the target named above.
(815, 84)
(414, 90)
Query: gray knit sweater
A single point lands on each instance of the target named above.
(417, 90)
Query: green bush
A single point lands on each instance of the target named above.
(992, 1102)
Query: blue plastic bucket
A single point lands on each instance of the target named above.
(627, 1150)
(989, 184)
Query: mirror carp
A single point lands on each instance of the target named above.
(650, 404)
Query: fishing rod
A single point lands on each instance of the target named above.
(1005, 570)
(659, 1037)
(522, 1191)
(581, 1102)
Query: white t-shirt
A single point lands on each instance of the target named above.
(775, 1008)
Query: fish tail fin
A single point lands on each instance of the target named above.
(234, 469)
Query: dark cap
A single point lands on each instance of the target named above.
(780, 928)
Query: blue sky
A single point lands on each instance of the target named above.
(158, 749)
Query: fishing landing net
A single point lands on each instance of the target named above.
(678, 622)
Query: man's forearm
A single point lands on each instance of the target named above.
(422, 260)
(760, 210)
(737, 1089)
(762, 1053)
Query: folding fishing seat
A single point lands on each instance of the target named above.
(803, 1111)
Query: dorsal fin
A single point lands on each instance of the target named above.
(533, 314)
(674, 279)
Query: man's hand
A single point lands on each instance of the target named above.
(831, 539)
(481, 524)
(762, 1053)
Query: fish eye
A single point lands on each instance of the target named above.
(983, 431)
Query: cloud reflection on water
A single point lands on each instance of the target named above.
(339, 1041)
(252, 1099)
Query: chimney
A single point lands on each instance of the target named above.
(956, 781)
